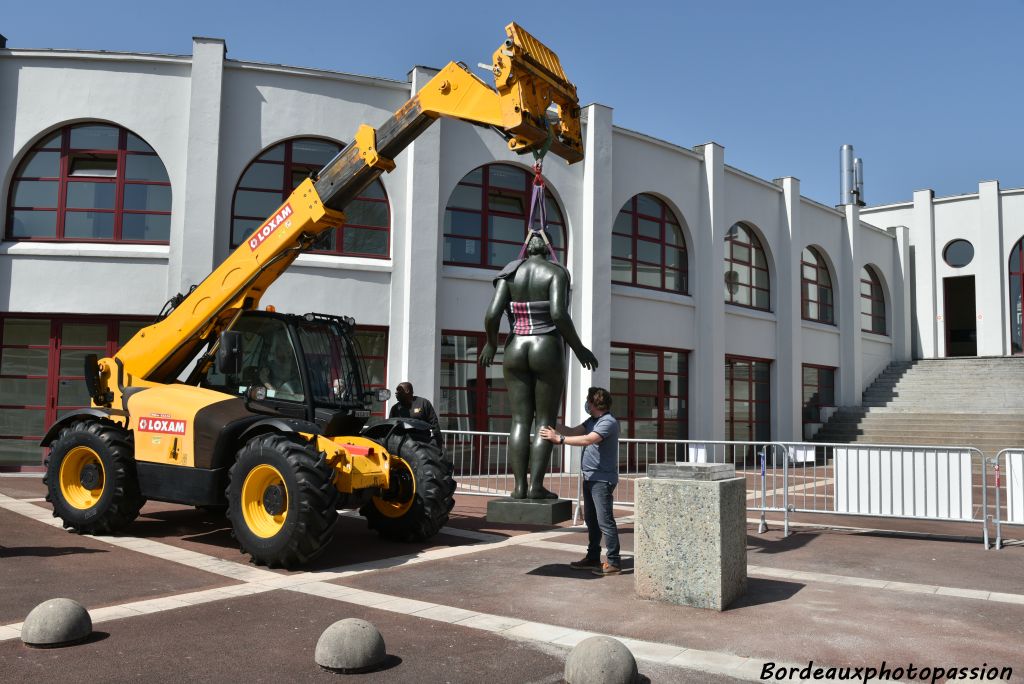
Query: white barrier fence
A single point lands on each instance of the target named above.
(940, 483)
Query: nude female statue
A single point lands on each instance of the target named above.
(534, 292)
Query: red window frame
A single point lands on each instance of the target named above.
(51, 407)
(872, 302)
(817, 300)
(64, 178)
(487, 190)
(734, 247)
(1016, 280)
(374, 194)
(479, 415)
(667, 225)
(817, 394)
(384, 408)
(759, 420)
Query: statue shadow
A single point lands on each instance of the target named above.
(44, 551)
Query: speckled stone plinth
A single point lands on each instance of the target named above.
(691, 539)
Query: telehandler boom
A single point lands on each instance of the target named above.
(270, 420)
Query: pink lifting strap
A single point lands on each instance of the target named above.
(538, 211)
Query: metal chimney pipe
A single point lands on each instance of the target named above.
(846, 176)
(3, 42)
(858, 180)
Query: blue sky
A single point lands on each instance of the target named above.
(929, 93)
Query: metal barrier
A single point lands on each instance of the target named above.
(1008, 462)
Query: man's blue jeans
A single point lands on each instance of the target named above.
(600, 519)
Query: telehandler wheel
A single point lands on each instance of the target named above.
(90, 478)
(282, 502)
(422, 492)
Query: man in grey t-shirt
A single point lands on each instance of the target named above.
(599, 435)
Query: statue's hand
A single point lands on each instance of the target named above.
(587, 358)
(486, 356)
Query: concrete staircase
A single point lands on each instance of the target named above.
(975, 402)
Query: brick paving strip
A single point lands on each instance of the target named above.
(317, 583)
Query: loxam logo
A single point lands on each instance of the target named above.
(269, 227)
(167, 426)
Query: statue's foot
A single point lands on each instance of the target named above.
(541, 493)
(519, 492)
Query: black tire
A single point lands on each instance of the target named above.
(434, 492)
(311, 500)
(119, 501)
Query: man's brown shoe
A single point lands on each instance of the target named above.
(607, 569)
(586, 564)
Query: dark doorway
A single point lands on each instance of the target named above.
(960, 315)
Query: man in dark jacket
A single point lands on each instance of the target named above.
(411, 406)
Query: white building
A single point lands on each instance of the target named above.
(125, 178)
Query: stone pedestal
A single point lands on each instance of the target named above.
(529, 511)
(691, 534)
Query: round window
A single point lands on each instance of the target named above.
(958, 253)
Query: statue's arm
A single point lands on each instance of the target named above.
(559, 297)
(492, 322)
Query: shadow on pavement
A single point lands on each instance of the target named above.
(762, 591)
(45, 551)
(794, 541)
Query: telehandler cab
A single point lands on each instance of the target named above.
(270, 420)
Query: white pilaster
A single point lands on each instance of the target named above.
(707, 366)
(197, 229)
(902, 320)
(923, 259)
(788, 392)
(990, 285)
(851, 384)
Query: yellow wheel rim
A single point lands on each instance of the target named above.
(264, 486)
(82, 478)
(398, 508)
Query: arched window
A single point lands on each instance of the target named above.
(485, 220)
(746, 269)
(1016, 287)
(271, 177)
(90, 182)
(816, 302)
(648, 249)
(872, 302)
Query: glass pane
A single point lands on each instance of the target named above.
(466, 197)
(674, 281)
(363, 213)
(505, 176)
(24, 362)
(648, 228)
(740, 390)
(24, 392)
(648, 251)
(147, 197)
(315, 152)
(759, 258)
(762, 372)
(137, 144)
(649, 276)
(555, 235)
(72, 362)
(508, 204)
(51, 141)
(41, 164)
(92, 164)
(241, 229)
(83, 195)
(84, 335)
(462, 251)
(275, 153)
(674, 257)
(474, 176)
(645, 204)
(740, 253)
(463, 223)
(646, 361)
(20, 452)
(155, 227)
(365, 241)
(263, 176)
(299, 175)
(623, 223)
(256, 204)
(145, 167)
(622, 247)
(89, 225)
(27, 331)
(127, 330)
(94, 137)
(760, 278)
(762, 299)
(622, 271)
(36, 194)
(72, 393)
(674, 236)
(21, 422)
(505, 228)
(30, 224)
(554, 213)
(501, 254)
(374, 191)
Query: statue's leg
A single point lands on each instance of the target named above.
(519, 382)
(547, 361)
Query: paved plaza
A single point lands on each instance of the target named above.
(174, 600)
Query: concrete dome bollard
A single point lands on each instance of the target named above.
(56, 622)
(600, 660)
(350, 645)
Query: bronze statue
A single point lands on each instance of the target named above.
(534, 292)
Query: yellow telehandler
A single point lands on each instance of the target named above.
(270, 422)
